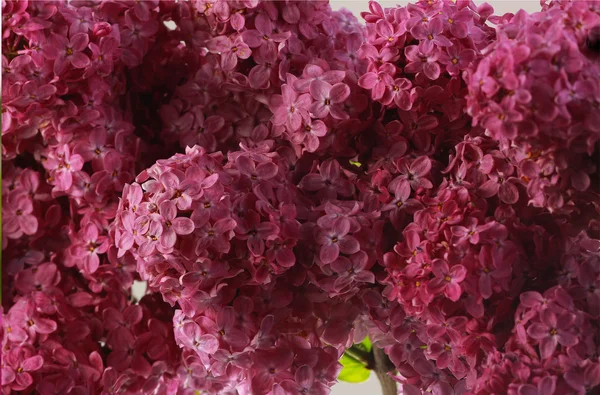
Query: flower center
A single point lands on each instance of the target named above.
(334, 240)
(211, 232)
(552, 332)
(454, 61)
(448, 278)
(430, 37)
(327, 102)
(19, 212)
(69, 51)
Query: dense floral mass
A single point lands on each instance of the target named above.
(288, 180)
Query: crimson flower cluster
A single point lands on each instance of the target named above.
(287, 181)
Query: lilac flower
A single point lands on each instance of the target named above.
(353, 269)
(447, 279)
(553, 330)
(263, 37)
(328, 99)
(198, 342)
(290, 109)
(69, 52)
(335, 241)
(17, 366)
(422, 60)
(328, 182)
(414, 172)
(256, 232)
(18, 216)
(172, 225)
(93, 244)
(430, 34)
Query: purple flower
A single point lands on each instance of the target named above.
(335, 241)
(553, 330)
(195, 340)
(446, 279)
(93, 244)
(304, 383)
(414, 172)
(216, 236)
(32, 93)
(328, 99)
(421, 60)
(289, 109)
(352, 269)
(456, 59)
(263, 37)
(172, 225)
(328, 182)
(377, 82)
(256, 232)
(546, 385)
(69, 52)
(18, 216)
(17, 365)
(430, 34)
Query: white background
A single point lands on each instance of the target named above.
(371, 387)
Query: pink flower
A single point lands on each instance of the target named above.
(263, 37)
(313, 73)
(329, 182)
(377, 82)
(552, 331)
(421, 60)
(26, 315)
(494, 267)
(264, 171)
(62, 164)
(69, 52)
(17, 215)
(32, 93)
(353, 269)
(456, 59)
(93, 244)
(430, 34)
(289, 109)
(152, 238)
(414, 172)
(172, 225)
(17, 366)
(256, 232)
(304, 383)
(193, 338)
(546, 385)
(336, 240)
(328, 99)
(309, 135)
(502, 121)
(231, 49)
(216, 236)
(446, 279)
(102, 55)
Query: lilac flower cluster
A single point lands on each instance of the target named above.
(287, 182)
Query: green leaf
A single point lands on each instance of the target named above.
(354, 163)
(367, 344)
(354, 371)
